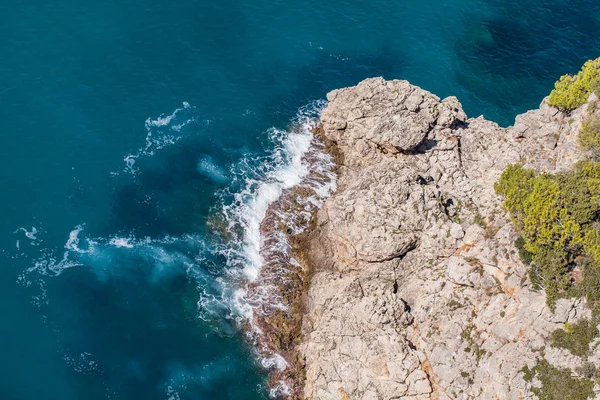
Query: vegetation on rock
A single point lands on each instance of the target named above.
(587, 370)
(558, 383)
(577, 337)
(557, 217)
(571, 92)
(589, 137)
(525, 255)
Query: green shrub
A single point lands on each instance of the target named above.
(571, 92)
(589, 287)
(554, 265)
(558, 383)
(556, 217)
(595, 86)
(524, 254)
(515, 184)
(528, 374)
(576, 338)
(589, 137)
(587, 370)
(535, 276)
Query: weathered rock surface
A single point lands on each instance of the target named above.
(418, 291)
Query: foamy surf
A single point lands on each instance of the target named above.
(240, 276)
(275, 198)
(31, 235)
(161, 132)
(264, 180)
(163, 255)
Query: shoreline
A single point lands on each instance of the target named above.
(405, 282)
(282, 282)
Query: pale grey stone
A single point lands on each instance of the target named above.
(459, 269)
(456, 231)
(420, 297)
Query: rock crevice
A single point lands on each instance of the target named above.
(417, 291)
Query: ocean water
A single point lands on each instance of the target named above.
(141, 142)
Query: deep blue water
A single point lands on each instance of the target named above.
(124, 126)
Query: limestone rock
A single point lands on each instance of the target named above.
(421, 293)
(459, 270)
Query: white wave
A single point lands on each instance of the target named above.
(49, 265)
(121, 242)
(161, 132)
(282, 170)
(261, 182)
(85, 363)
(162, 120)
(98, 254)
(40, 299)
(172, 394)
(276, 361)
(258, 182)
(73, 241)
(281, 390)
(31, 235)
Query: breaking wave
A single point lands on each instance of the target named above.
(239, 264)
(271, 198)
(257, 183)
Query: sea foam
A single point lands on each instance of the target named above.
(161, 132)
(264, 180)
(258, 187)
(225, 300)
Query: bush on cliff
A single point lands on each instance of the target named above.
(558, 383)
(577, 337)
(571, 92)
(525, 255)
(589, 137)
(557, 217)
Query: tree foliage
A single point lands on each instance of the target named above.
(589, 137)
(572, 91)
(557, 217)
(577, 337)
(558, 383)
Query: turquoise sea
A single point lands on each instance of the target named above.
(127, 125)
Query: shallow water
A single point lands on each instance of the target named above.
(126, 125)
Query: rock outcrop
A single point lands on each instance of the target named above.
(417, 290)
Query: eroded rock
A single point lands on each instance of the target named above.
(422, 294)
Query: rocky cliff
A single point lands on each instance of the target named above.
(416, 289)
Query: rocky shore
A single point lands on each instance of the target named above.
(408, 282)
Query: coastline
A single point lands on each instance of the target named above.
(282, 282)
(405, 283)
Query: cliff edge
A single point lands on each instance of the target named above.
(416, 288)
